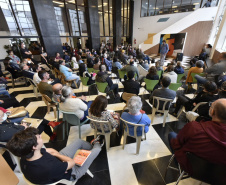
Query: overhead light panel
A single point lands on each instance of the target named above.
(174, 6)
(195, 3)
(58, 2)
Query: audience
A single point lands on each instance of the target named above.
(131, 67)
(116, 63)
(96, 63)
(84, 73)
(179, 69)
(152, 74)
(135, 116)
(197, 69)
(46, 165)
(204, 139)
(43, 86)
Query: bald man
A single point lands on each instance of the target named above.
(204, 139)
(57, 92)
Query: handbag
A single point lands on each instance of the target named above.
(17, 112)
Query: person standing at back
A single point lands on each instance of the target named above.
(164, 48)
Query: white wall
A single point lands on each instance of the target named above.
(3, 42)
(142, 26)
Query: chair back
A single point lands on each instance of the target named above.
(62, 78)
(165, 106)
(46, 98)
(121, 73)
(159, 73)
(101, 86)
(71, 118)
(31, 82)
(135, 126)
(174, 86)
(206, 171)
(179, 76)
(97, 123)
(84, 80)
(193, 76)
(150, 84)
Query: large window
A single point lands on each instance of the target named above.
(18, 17)
(158, 7)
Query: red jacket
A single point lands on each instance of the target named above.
(205, 139)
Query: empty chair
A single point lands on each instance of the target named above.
(102, 131)
(138, 138)
(49, 104)
(165, 108)
(71, 118)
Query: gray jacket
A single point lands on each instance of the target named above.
(216, 69)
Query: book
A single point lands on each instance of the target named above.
(81, 156)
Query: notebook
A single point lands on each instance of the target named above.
(81, 156)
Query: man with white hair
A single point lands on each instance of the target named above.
(135, 116)
(107, 62)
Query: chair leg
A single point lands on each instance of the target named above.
(180, 112)
(153, 114)
(180, 177)
(95, 134)
(55, 113)
(124, 139)
(89, 173)
(48, 109)
(138, 145)
(164, 119)
(107, 139)
(171, 159)
(13, 82)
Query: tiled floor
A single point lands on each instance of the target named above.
(117, 166)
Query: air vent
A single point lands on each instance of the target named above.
(163, 19)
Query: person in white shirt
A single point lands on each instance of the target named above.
(171, 74)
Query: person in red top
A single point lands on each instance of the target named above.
(204, 139)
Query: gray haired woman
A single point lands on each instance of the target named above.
(135, 116)
(76, 105)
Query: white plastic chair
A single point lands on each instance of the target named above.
(138, 138)
(193, 110)
(35, 87)
(164, 110)
(102, 132)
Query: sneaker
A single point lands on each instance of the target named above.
(54, 123)
(95, 140)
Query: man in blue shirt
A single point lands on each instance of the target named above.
(164, 48)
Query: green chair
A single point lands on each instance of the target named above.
(193, 76)
(174, 86)
(84, 83)
(71, 118)
(90, 70)
(179, 77)
(150, 84)
(159, 73)
(101, 86)
(121, 74)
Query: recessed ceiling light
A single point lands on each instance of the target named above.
(195, 3)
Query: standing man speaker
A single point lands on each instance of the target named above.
(164, 48)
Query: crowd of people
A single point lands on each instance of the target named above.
(204, 135)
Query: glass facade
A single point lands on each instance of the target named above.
(18, 18)
(159, 7)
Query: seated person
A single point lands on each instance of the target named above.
(7, 102)
(15, 59)
(207, 139)
(58, 58)
(222, 92)
(179, 69)
(197, 69)
(171, 74)
(221, 79)
(116, 63)
(152, 74)
(76, 105)
(203, 55)
(145, 65)
(193, 62)
(102, 77)
(164, 92)
(98, 112)
(14, 70)
(206, 95)
(26, 71)
(79, 59)
(68, 72)
(26, 53)
(57, 92)
(96, 63)
(43, 86)
(131, 67)
(130, 85)
(213, 71)
(66, 57)
(74, 63)
(84, 73)
(45, 165)
(107, 62)
(135, 116)
(8, 127)
(90, 62)
(158, 66)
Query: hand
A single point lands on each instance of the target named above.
(1, 101)
(194, 104)
(115, 116)
(70, 70)
(83, 98)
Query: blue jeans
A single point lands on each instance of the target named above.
(86, 111)
(171, 135)
(73, 77)
(5, 92)
(200, 80)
